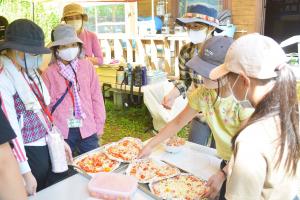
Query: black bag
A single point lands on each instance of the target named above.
(137, 76)
(136, 80)
(133, 78)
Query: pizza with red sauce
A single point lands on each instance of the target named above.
(126, 150)
(97, 162)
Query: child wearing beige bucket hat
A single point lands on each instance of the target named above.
(74, 15)
(265, 163)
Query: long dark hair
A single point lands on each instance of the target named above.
(282, 100)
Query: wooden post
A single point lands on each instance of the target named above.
(107, 50)
(129, 51)
(167, 60)
(140, 53)
(118, 49)
(131, 18)
(154, 60)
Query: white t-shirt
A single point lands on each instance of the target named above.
(252, 174)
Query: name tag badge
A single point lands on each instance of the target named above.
(74, 123)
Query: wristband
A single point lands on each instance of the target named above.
(222, 165)
(224, 173)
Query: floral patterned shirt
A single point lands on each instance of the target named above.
(223, 115)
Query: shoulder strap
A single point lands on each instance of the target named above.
(61, 98)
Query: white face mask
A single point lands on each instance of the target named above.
(197, 37)
(77, 24)
(68, 54)
(245, 103)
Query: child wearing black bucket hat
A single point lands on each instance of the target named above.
(25, 98)
(200, 20)
(214, 99)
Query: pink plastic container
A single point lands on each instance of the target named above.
(112, 186)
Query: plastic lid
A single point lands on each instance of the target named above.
(113, 184)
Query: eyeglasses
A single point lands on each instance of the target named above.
(195, 26)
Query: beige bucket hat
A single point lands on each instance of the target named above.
(73, 9)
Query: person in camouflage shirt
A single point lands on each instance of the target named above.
(200, 21)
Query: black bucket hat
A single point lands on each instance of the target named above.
(26, 36)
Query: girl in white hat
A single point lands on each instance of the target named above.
(265, 162)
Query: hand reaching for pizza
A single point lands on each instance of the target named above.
(214, 185)
(145, 152)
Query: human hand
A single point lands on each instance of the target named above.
(68, 152)
(214, 185)
(30, 183)
(169, 99)
(93, 60)
(145, 152)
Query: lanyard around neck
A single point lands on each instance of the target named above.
(71, 95)
(40, 99)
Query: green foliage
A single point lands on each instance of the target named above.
(45, 15)
(129, 122)
(46, 19)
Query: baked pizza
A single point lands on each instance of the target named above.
(175, 141)
(126, 150)
(97, 162)
(181, 187)
(148, 170)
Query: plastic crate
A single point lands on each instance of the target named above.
(107, 74)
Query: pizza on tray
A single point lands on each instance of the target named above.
(97, 162)
(148, 170)
(181, 187)
(126, 150)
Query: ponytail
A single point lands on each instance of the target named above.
(282, 100)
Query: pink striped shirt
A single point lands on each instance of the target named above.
(89, 93)
(19, 154)
(91, 45)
